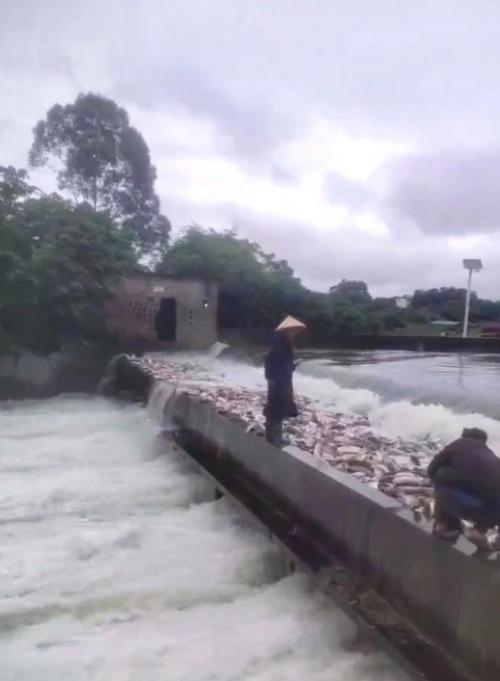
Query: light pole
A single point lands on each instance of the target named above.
(471, 266)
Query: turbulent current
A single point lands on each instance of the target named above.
(117, 564)
(413, 395)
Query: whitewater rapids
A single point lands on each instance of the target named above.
(117, 564)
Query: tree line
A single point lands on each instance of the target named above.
(61, 252)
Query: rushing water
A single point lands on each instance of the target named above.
(410, 394)
(116, 564)
(417, 394)
(463, 382)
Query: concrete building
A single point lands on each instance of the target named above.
(154, 311)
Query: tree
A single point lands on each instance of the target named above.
(261, 288)
(488, 310)
(56, 264)
(352, 291)
(14, 187)
(80, 256)
(349, 319)
(102, 159)
(351, 308)
(17, 286)
(393, 320)
(435, 299)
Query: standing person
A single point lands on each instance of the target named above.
(279, 368)
(466, 477)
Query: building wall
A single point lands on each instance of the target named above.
(132, 311)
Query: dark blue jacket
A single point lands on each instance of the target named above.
(279, 367)
(279, 360)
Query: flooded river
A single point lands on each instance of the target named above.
(116, 564)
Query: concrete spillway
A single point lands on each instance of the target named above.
(435, 604)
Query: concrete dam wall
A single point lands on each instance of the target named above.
(435, 603)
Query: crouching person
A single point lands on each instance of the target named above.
(466, 478)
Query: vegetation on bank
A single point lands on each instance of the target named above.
(60, 252)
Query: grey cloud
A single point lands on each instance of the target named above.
(5, 124)
(324, 257)
(342, 190)
(283, 175)
(453, 193)
(426, 70)
(44, 61)
(423, 75)
(254, 131)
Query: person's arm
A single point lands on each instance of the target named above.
(441, 459)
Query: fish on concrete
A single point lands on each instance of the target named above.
(396, 467)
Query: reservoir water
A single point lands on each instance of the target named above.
(116, 564)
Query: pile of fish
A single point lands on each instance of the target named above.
(393, 466)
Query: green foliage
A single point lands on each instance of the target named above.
(56, 263)
(58, 257)
(348, 319)
(353, 292)
(415, 317)
(393, 320)
(444, 303)
(487, 310)
(105, 161)
(351, 308)
(14, 187)
(265, 287)
(449, 303)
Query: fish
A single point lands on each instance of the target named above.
(394, 466)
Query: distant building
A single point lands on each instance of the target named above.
(403, 302)
(156, 311)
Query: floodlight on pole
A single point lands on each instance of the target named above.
(471, 265)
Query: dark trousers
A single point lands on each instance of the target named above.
(274, 431)
(452, 505)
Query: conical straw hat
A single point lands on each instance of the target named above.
(290, 323)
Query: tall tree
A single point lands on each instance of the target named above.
(102, 159)
(18, 289)
(56, 263)
(351, 308)
(352, 291)
(79, 256)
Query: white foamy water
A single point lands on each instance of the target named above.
(412, 419)
(116, 564)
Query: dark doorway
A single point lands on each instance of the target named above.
(229, 312)
(166, 320)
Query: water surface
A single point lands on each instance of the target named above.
(118, 565)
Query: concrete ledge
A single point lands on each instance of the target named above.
(28, 375)
(451, 597)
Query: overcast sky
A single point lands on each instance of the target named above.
(357, 139)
